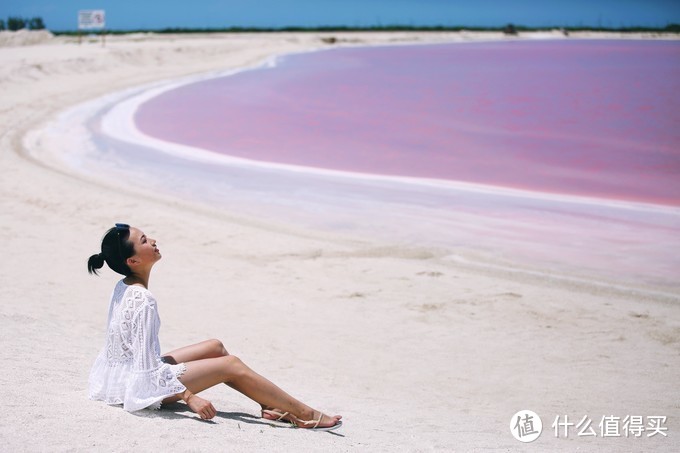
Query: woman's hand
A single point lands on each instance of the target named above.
(203, 408)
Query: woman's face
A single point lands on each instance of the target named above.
(145, 247)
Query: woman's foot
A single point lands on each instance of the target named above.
(320, 422)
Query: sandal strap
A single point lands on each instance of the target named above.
(316, 422)
(276, 414)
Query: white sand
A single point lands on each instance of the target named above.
(416, 352)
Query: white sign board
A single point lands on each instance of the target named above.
(91, 19)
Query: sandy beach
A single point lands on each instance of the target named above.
(418, 352)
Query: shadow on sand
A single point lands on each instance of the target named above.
(179, 411)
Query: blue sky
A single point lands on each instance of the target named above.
(132, 14)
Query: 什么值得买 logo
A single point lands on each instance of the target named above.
(526, 426)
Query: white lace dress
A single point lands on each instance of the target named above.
(129, 370)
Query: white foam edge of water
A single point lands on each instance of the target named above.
(118, 122)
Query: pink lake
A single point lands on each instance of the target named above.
(590, 118)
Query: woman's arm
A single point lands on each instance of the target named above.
(151, 381)
(153, 376)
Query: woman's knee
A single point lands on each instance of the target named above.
(232, 367)
(216, 348)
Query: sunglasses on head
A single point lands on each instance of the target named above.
(121, 227)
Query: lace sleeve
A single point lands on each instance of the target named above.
(151, 380)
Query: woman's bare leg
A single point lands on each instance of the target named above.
(208, 349)
(204, 350)
(206, 373)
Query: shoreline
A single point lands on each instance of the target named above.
(118, 122)
(341, 323)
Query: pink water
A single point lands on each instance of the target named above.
(592, 118)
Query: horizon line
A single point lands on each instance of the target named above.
(669, 28)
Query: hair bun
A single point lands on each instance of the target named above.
(95, 262)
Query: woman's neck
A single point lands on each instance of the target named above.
(134, 279)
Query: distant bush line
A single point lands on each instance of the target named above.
(14, 23)
(36, 23)
(672, 28)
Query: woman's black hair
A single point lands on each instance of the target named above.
(116, 249)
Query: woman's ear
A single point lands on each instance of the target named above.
(132, 261)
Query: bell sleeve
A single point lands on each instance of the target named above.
(151, 380)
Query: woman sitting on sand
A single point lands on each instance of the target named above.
(130, 369)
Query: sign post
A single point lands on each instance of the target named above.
(91, 19)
